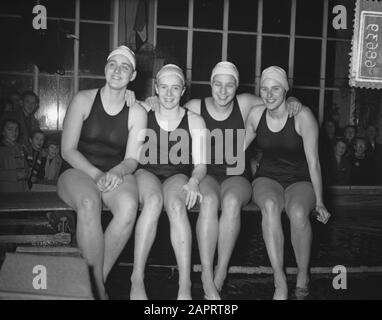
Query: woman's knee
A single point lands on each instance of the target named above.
(298, 216)
(175, 208)
(89, 208)
(231, 205)
(153, 204)
(271, 208)
(153, 200)
(210, 201)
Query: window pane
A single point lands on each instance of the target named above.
(87, 83)
(59, 8)
(204, 10)
(207, 50)
(65, 97)
(275, 52)
(9, 83)
(54, 50)
(337, 106)
(307, 61)
(48, 111)
(172, 47)
(173, 13)
(337, 64)
(93, 53)
(276, 16)
(309, 98)
(347, 32)
(309, 18)
(95, 10)
(242, 52)
(199, 91)
(243, 15)
(14, 37)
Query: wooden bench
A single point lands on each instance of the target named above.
(49, 202)
(352, 196)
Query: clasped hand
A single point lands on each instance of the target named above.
(109, 181)
(192, 194)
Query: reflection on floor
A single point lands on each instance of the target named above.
(161, 284)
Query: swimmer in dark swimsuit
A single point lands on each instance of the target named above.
(226, 185)
(100, 148)
(172, 165)
(289, 177)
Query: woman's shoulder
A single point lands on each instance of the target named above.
(305, 115)
(87, 94)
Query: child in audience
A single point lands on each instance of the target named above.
(34, 157)
(13, 167)
(52, 162)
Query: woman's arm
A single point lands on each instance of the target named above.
(73, 121)
(308, 128)
(137, 124)
(251, 125)
(198, 135)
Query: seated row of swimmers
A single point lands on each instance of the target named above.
(101, 143)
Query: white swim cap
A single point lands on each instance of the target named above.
(170, 70)
(124, 51)
(275, 73)
(225, 67)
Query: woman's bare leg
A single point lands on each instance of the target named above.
(299, 202)
(180, 230)
(235, 193)
(151, 198)
(269, 196)
(80, 192)
(123, 203)
(207, 228)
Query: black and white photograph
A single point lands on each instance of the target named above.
(163, 150)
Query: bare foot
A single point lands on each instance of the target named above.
(281, 289)
(184, 292)
(137, 291)
(184, 296)
(302, 280)
(220, 276)
(210, 291)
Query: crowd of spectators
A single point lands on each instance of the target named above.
(27, 157)
(351, 155)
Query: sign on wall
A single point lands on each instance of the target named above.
(366, 60)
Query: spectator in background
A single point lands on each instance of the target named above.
(52, 162)
(338, 166)
(15, 101)
(327, 137)
(34, 157)
(25, 115)
(13, 167)
(372, 133)
(362, 169)
(349, 135)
